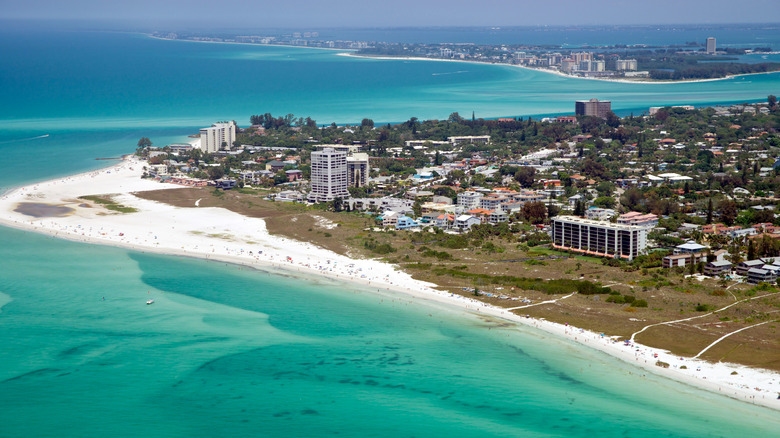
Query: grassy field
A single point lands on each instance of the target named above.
(500, 270)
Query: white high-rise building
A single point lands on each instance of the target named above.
(213, 138)
(598, 238)
(710, 46)
(469, 200)
(328, 175)
(357, 170)
(626, 64)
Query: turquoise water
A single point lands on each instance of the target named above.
(227, 351)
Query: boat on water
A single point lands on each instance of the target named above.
(150, 302)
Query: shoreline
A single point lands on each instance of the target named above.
(552, 72)
(186, 232)
(346, 52)
(242, 44)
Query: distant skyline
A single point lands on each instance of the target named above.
(398, 13)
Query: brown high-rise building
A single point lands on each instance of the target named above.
(593, 107)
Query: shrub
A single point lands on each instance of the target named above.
(629, 298)
(702, 307)
(441, 255)
(718, 293)
(617, 299)
(662, 364)
(639, 303)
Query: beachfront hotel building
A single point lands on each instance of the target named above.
(710, 46)
(593, 107)
(212, 139)
(328, 175)
(598, 238)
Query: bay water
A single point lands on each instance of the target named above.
(227, 351)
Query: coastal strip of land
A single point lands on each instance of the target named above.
(222, 235)
(552, 72)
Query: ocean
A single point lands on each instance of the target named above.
(228, 351)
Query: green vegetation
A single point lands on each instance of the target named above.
(109, 204)
(550, 287)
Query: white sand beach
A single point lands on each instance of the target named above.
(218, 234)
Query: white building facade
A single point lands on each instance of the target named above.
(328, 175)
(357, 170)
(598, 238)
(212, 139)
(469, 200)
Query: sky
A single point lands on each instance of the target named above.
(392, 13)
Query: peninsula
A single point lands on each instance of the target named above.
(470, 220)
(685, 61)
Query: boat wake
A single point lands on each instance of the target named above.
(450, 73)
(24, 139)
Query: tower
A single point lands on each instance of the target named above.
(710, 46)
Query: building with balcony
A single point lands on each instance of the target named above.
(216, 137)
(593, 107)
(598, 238)
(328, 175)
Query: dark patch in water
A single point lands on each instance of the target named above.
(309, 412)
(37, 373)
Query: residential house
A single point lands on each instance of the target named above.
(684, 259)
(405, 222)
(599, 214)
(758, 275)
(465, 222)
(689, 248)
(497, 216)
(743, 267)
(638, 219)
(717, 268)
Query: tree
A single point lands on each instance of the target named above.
(604, 202)
(709, 211)
(216, 172)
(772, 101)
(613, 120)
(455, 118)
(751, 250)
(579, 208)
(417, 208)
(662, 114)
(144, 142)
(534, 212)
(367, 123)
(728, 212)
(553, 210)
(525, 176)
(632, 198)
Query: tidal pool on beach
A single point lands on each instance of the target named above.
(39, 209)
